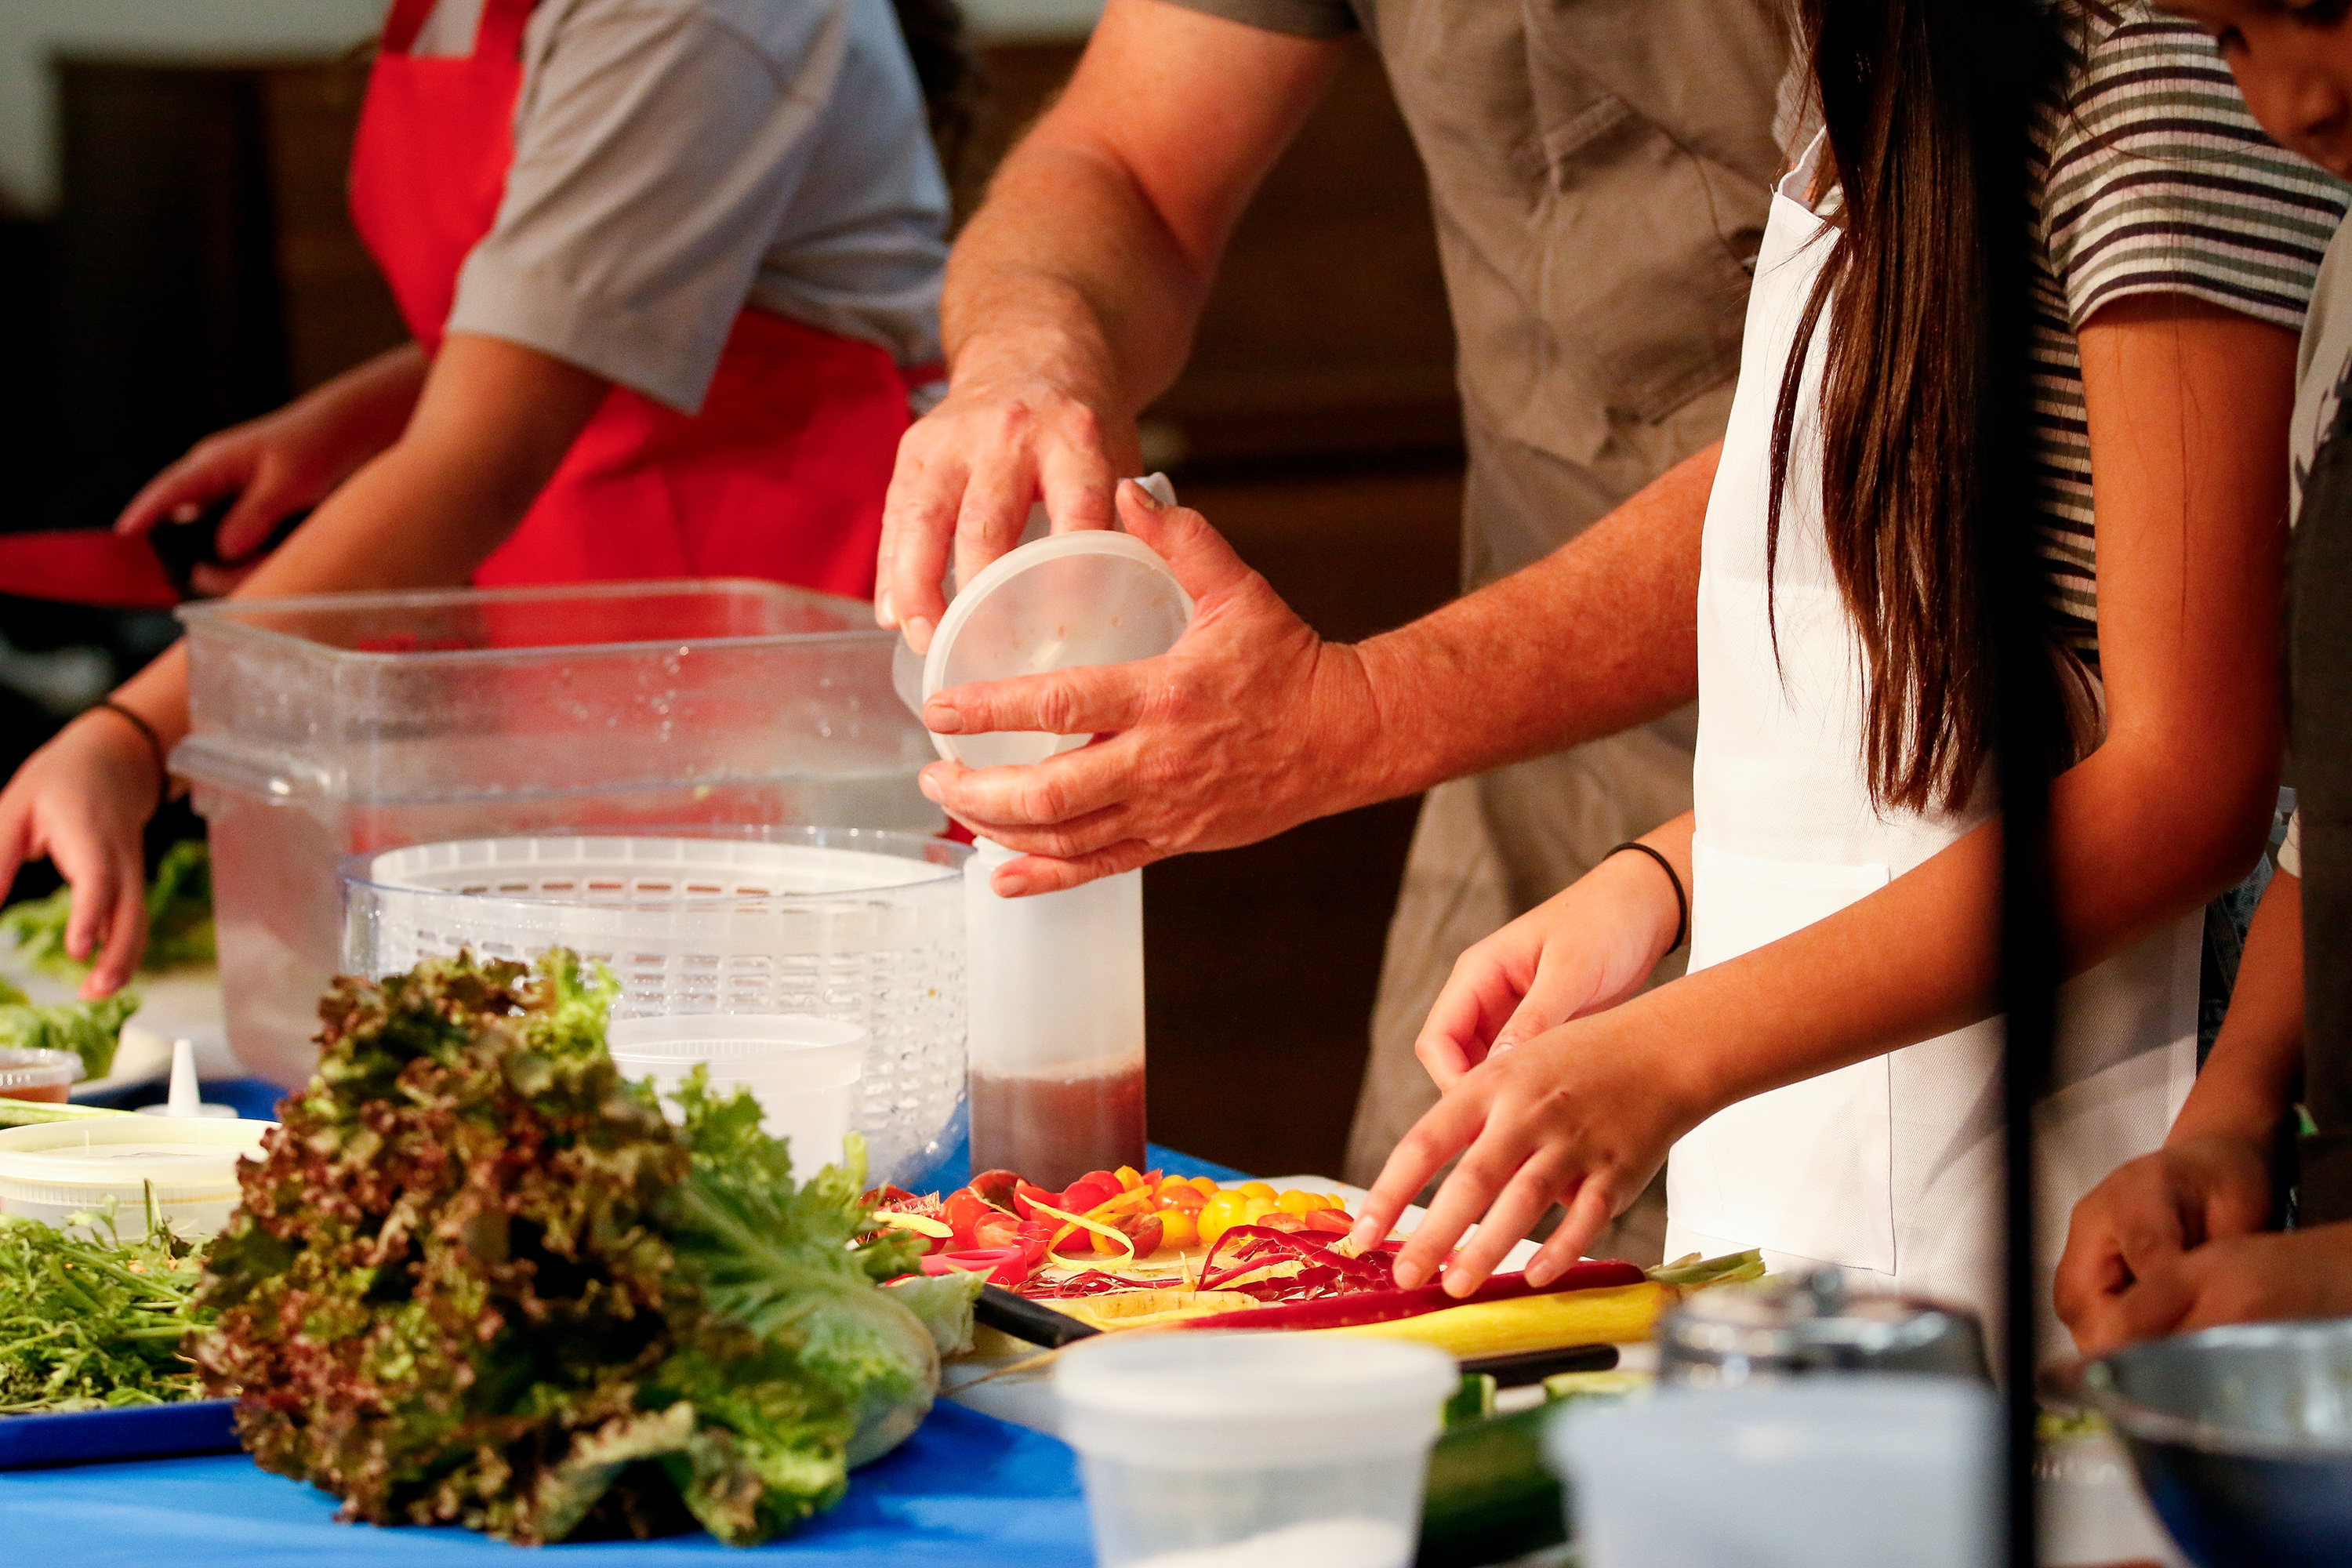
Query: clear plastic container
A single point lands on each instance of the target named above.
(343, 724)
(1855, 1472)
(56, 1169)
(1057, 1058)
(802, 1070)
(41, 1075)
(860, 927)
(1093, 597)
(1237, 1450)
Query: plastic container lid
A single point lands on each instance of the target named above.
(58, 1167)
(1062, 603)
(38, 1073)
(1205, 1400)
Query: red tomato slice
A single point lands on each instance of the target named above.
(1087, 1191)
(1144, 1231)
(996, 1187)
(1026, 1197)
(996, 1228)
(1334, 1222)
(964, 1209)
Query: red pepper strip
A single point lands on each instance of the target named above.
(1370, 1274)
(1388, 1306)
(1006, 1266)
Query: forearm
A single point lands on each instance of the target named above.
(368, 407)
(1089, 260)
(2247, 1085)
(1596, 637)
(1919, 958)
(1104, 306)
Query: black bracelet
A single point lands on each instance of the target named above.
(1681, 899)
(154, 745)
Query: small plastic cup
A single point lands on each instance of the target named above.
(802, 1071)
(38, 1073)
(1238, 1450)
(1855, 1471)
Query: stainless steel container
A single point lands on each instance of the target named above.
(2242, 1437)
(1742, 1333)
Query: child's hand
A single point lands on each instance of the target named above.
(2235, 1279)
(1582, 1115)
(1586, 948)
(2143, 1218)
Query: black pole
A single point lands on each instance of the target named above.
(2016, 57)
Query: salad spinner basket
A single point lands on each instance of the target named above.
(862, 926)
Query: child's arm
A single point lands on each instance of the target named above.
(2188, 407)
(491, 425)
(2212, 1179)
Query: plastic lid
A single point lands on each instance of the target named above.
(817, 1052)
(1063, 602)
(1228, 1399)
(82, 1162)
(22, 1069)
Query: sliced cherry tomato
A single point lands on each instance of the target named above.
(886, 1193)
(962, 1211)
(1330, 1222)
(1090, 1190)
(1188, 1198)
(1026, 1197)
(997, 1187)
(996, 1228)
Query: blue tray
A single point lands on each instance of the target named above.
(136, 1432)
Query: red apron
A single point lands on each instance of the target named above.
(780, 476)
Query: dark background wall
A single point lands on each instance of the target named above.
(201, 269)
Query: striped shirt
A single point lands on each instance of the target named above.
(2149, 176)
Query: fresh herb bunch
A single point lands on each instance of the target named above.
(179, 917)
(85, 1324)
(477, 1277)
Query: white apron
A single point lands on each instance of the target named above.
(1890, 1168)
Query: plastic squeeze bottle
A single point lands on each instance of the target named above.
(1056, 1024)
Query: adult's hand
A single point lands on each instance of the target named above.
(2136, 1223)
(967, 472)
(1249, 724)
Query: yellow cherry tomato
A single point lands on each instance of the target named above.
(1257, 1190)
(1256, 1209)
(1128, 1177)
(1177, 1227)
(1297, 1201)
(1206, 1186)
(1220, 1214)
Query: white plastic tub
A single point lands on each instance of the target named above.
(803, 1071)
(861, 928)
(55, 1169)
(1205, 1450)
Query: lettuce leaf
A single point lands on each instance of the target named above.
(91, 1030)
(479, 1278)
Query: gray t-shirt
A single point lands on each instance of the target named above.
(676, 159)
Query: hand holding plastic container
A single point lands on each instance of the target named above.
(1056, 1001)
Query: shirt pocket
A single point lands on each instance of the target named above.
(1649, 241)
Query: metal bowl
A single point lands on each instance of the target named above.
(2243, 1439)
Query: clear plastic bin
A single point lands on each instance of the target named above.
(343, 724)
(860, 927)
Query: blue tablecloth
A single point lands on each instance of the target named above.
(966, 1489)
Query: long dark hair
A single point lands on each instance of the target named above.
(1906, 290)
(947, 69)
